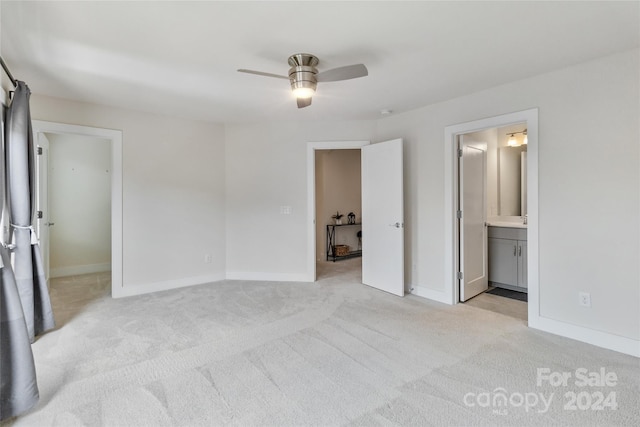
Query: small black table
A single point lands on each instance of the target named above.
(331, 242)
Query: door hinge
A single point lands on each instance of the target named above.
(459, 275)
(39, 214)
(39, 151)
(459, 214)
(459, 152)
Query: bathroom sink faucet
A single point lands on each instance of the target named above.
(525, 218)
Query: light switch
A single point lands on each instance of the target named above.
(285, 210)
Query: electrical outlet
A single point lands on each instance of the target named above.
(584, 299)
(208, 259)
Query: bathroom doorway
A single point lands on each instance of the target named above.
(487, 215)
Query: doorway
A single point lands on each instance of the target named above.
(338, 208)
(492, 219)
(74, 198)
(455, 243)
(113, 139)
(314, 243)
(382, 212)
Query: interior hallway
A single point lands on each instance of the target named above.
(280, 353)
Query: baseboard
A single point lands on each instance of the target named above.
(146, 288)
(440, 296)
(600, 339)
(76, 270)
(268, 277)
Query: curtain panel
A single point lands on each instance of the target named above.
(25, 306)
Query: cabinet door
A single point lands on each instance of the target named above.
(522, 263)
(503, 265)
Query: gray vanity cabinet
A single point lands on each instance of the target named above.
(508, 257)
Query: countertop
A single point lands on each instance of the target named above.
(508, 224)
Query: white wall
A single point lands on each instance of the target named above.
(266, 169)
(338, 188)
(79, 204)
(173, 192)
(589, 186)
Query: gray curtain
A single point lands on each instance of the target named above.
(18, 386)
(21, 191)
(26, 306)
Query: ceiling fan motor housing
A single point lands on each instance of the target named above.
(302, 73)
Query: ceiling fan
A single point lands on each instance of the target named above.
(304, 76)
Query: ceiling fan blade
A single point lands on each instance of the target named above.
(343, 73)
(260, 73)
(303, 102)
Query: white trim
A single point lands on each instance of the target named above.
(3, 96)
(424, 292)
(167, 285)
(450, 203)
(601, 339)
(267, 277)
(75, 270)
(311, 196)
(115, 136)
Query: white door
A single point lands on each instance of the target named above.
(42, 198)
(383, 217)
(472, 217)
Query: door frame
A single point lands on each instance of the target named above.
(311, 194)
(115, 138)
(451, 202)
(40, 221)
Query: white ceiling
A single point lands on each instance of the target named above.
(180, 58)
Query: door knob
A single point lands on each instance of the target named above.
(49, 223)
(396, 225)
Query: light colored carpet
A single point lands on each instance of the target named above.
(330, 353)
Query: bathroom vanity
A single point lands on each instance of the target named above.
(507, 243)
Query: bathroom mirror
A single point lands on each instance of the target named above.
(512, 181)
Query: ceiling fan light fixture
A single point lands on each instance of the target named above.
(303, 88)
(303, 92)
(304, 77)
